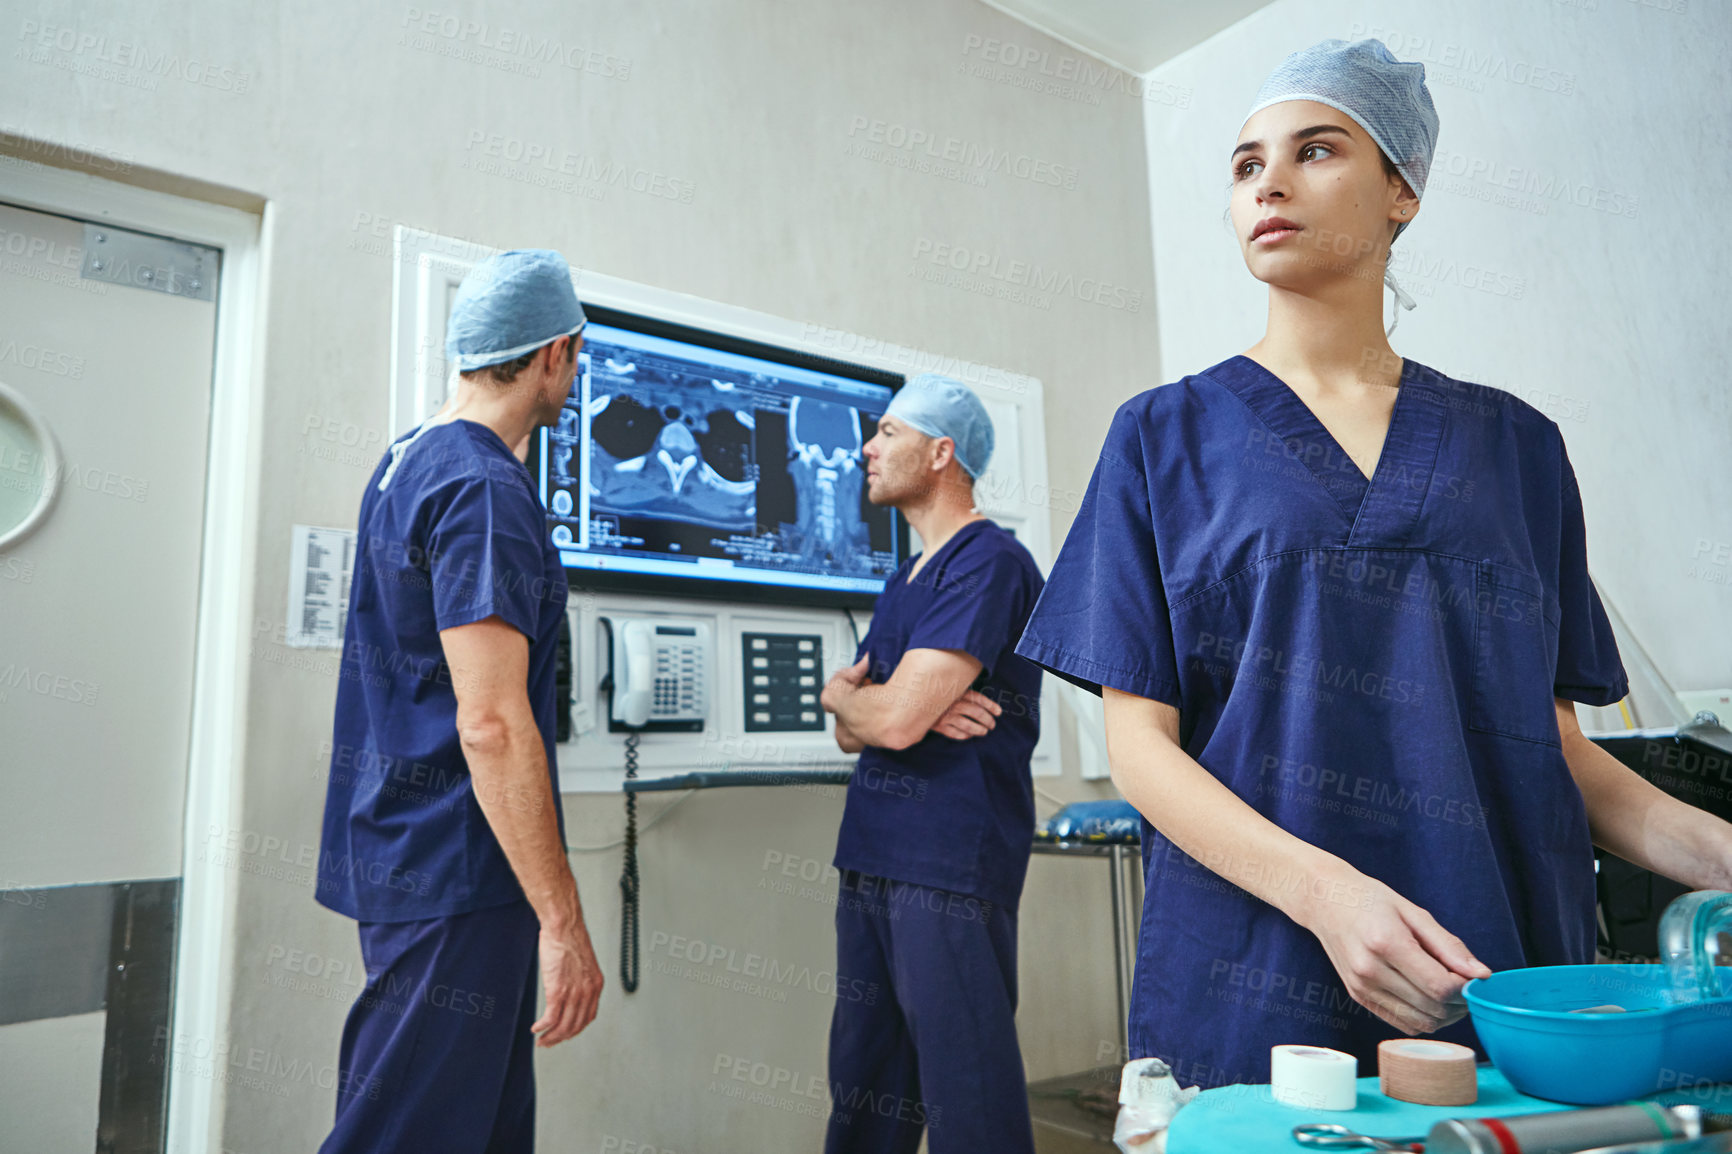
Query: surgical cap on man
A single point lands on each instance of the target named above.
(942, 407)
(509, 304)
(1385, 96)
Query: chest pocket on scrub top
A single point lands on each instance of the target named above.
(1515, 656)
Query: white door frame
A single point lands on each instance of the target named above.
(220, 671)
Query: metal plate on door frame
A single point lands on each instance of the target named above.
(117, 256)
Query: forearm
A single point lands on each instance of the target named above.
(900, 712)
(1631, 817)
(883, 716)
(1392, 956)
(1210, 823)
(509, 773)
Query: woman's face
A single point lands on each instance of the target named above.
(1317, 177)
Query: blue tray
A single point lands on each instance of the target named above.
(1246, 1120)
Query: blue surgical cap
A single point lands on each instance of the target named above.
(939, 406)
(509, 304)
(1383, 95)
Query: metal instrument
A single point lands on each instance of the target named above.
(1332, 1136)
(1564, 1131)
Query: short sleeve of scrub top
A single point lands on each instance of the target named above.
(1102, 617)
(976, 611)
(486, 557)
(1589, 670)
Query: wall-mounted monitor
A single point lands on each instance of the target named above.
(691, 462)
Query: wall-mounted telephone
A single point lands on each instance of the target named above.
(658, 673)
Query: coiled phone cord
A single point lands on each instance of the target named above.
(628, 879)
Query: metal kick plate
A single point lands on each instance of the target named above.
(54, 946)
(116, 256)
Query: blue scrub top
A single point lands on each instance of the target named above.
(953, 815)
(458, 535)
(1370, 665)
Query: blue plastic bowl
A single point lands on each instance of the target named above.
(1523, 1018)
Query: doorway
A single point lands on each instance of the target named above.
(126, 393)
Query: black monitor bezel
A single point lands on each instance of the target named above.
(707, 588)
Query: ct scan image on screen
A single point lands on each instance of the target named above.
(679, 459)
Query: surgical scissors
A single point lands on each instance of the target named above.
(1330, 1136)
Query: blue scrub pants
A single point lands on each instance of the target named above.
(927, 1038)
(437, 1053)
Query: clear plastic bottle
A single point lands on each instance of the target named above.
(1691, 932)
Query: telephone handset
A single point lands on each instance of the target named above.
(657, 673)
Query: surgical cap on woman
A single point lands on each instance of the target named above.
(1383, 95)
(940, 406)
(509, 304)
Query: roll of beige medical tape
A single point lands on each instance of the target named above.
(1427, 1073)
(1314, 1078)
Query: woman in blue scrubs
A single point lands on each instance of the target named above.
(1338, 606)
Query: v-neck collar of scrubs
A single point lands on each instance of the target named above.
(926, 565)
(1382, 509)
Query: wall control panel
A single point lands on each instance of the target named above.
(783, 674)
(681, 679)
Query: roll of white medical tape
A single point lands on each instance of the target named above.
(1427, 1073)
(1314, 1078)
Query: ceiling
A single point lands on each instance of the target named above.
(1135, 35)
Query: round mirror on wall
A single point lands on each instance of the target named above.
(29, 468)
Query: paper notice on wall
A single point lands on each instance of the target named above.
(320, 564)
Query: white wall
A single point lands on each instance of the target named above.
(1596, 294)
(345, 120)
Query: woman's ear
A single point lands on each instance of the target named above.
(1406, 205)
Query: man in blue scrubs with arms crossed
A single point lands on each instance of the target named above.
(935, 836)
(443, 834)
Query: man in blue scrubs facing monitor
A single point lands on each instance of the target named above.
(443, 835)
(935, 836)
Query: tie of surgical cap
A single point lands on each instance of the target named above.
(1383, 95)
(942, 407)
(509, 304)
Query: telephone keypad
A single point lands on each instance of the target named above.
(677, 691)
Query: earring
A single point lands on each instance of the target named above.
(1404, 212)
